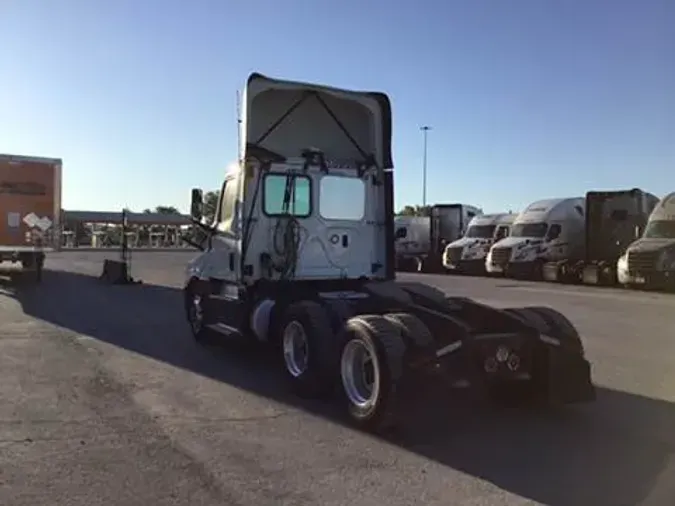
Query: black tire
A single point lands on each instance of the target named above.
(197, 312)
(413, 330)
(31, 267)
(39, 266)
(382, 340)
(316, 377)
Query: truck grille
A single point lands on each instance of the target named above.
(501, 256)
(453, 255)
(642, 261)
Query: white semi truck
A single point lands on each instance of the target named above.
(446, 223)
(467, 255)
(287, 263)
(649, 262)
(546, 231)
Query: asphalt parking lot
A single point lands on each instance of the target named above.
(104, 399)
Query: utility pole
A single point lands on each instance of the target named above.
(425, 131)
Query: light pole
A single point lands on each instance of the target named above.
(425, 131)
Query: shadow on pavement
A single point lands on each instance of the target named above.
(609, 453)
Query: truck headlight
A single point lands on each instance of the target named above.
(622, 263)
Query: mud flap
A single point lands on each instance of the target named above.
(568, 378)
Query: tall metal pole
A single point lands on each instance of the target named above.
(425, 131)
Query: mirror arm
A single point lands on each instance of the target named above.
(189, 241)
(203, 226)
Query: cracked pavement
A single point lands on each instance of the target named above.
(104, 399)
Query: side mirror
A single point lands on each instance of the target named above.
(638, 231)
(401, 233)
(197, 204)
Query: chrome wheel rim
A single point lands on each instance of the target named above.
(360, 373)
(296, 349)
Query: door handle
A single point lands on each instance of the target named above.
(231, 261)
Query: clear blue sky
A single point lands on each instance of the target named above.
(528, 98)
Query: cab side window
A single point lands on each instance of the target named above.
(228, 205)
(553, 232)
(501, 233)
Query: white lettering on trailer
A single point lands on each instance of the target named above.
(34, 221)
(44, 223)
(31, 220)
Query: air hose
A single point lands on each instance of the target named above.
(286, 245)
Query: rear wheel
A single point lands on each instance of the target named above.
(371, 369)
(307, 346)
(412, 329)
(32, 265)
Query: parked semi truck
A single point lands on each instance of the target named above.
(614, 219)
(467, 255)
(412, 243)
(649, 262)
(288, 264)
(546, 231)
(30, 204)
(446, 223)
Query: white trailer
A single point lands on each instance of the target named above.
(430, 236)
(412, 241)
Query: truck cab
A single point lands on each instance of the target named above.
(649, 262)
(307, 203)
(300, 255)
(546, 231)
(467, 255)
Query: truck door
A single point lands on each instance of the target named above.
(223, 254)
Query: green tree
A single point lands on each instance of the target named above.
(415, 211)
(166, 210)
(210, 205)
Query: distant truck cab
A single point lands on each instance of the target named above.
(546, 231)
(30, 204)
(649, 262)
(467, 255)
